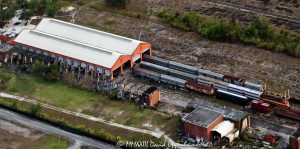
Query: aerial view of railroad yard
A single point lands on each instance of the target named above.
(169, 74)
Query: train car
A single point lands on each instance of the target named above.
(260, 105)
(182, 75)
(173, 81)
(275, 99)
(234, 80)
(287, 112)
(216, 84)
(154, 67)
(156, 60)
(183, 68)
(208, 90)
(253, 86)
(210, 74)
(239, 99)
(252, 94)
(146, 74)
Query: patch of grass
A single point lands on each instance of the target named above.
(51, 142)
(62, 95)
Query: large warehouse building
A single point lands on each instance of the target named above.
(76, 45)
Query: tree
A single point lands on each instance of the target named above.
(26, 15)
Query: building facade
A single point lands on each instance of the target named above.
(79, 46)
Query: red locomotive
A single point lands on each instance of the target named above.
(261, 106)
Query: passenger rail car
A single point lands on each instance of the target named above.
(156, 60)
(154, 67)
(216, 84)
(173, 81)
(239, 99)
(275, 99)
(201, 72)
(209, 90)
(146, 74)
(183, 68)
(252, 94)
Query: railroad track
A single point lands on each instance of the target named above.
(245, 13)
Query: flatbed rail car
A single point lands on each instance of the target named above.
(209, 90)
(239, 99)
(261, 106)
(287, 112)
(275, 99)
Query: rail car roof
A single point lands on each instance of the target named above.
(146, 71)
(208, 72)
(156, 58)
(201, 116)
(172, 78)
(253, 84)
(183, 65)
(230, 93)
(154, 65)
(229, 113)
(245, 89)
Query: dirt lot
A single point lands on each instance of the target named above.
(278, 71)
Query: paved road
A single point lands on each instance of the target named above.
(11, 116)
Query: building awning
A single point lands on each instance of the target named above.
(224, 128)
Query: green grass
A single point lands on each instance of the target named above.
(62, 95)
(51, 142)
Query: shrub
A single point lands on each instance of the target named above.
(259, 33)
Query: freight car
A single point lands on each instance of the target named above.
(275, 99)
(239, 99)
(261, 106)
(287, 112)
(208, 90)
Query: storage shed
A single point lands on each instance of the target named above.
(151, 96)
(200, 122)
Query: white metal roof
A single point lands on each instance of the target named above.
(224, 128)
(88, 36)
(67, 47)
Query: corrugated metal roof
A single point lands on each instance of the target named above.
(224, 128)
(67, 47)
(88, 36)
